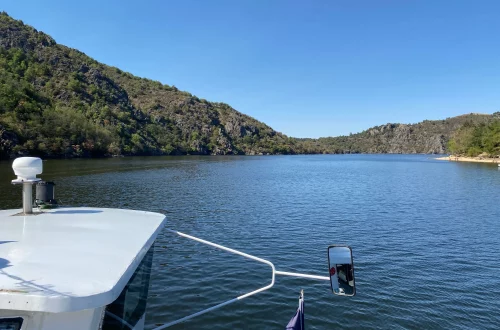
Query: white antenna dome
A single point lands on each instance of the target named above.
(27, 168)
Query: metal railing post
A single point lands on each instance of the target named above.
(246, 255)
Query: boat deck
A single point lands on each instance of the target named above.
(70, 259)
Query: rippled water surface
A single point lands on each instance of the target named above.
(425, 235)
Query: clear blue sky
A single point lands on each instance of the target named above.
(306, 68)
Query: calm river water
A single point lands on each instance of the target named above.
(425, 235)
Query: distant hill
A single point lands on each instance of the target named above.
(477, 139)
(58, 102)
(427, 137)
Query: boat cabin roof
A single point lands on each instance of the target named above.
(71, 259)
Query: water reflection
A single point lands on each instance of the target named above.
(422, 217)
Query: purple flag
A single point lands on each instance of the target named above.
(297, 321)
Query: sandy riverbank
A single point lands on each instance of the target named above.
(471, 159)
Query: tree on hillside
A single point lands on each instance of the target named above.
(472, 140)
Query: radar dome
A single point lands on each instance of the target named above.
(27, 168)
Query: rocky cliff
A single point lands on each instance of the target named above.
(428, 137)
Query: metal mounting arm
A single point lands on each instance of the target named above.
(267, 262)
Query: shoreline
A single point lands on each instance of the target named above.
(470, 159)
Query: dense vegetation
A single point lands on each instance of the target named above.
(58, 102)
(474, 139)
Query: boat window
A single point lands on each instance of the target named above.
(128, 309)
(11, 323)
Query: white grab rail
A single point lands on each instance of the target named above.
(267, 262)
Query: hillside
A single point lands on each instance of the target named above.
(477, 139)
(427, 137)
(58, 102)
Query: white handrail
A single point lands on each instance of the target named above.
(267, 262)
(314, 277)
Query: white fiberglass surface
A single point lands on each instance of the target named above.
(71, 258)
